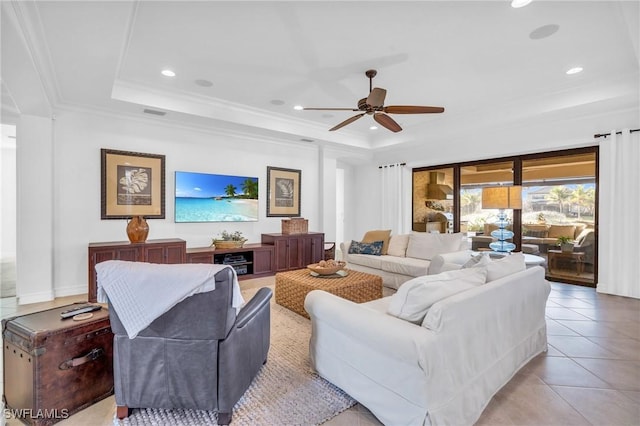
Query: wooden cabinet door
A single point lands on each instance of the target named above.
(263, 261)
(312, 249)
(164, 253)
(281, 248)
(295, 257)
(175, 253)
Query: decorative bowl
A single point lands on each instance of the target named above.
(227, 244)
(326, 270)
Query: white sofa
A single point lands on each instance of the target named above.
(443, 371)
(408, 256)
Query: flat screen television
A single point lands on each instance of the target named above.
(203, 197)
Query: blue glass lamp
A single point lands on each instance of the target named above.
(501, 198)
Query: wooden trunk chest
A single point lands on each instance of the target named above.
(53, 367)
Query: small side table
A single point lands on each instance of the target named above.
(577, 256)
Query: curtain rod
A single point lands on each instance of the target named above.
(392, 165)
(604, 135)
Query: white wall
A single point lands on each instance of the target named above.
(78, 140)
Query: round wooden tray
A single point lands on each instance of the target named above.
(340, 274)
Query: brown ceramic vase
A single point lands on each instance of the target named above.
(137, 229)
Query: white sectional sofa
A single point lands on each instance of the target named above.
(408, 256)
(443, 370)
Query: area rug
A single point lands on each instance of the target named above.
(285, 392)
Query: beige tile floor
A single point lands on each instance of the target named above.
(589, 376)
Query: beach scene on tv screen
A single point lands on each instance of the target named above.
(203, 197)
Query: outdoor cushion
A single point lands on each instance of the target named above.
(556, 231)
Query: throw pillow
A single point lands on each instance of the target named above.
(556, 231)
(535, 233)
(374, 248)
(398, 245)
(508, 265)
(477, 261)
(427, 245)
(378, 235)
(414, 298)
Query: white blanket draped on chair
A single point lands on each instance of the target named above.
(141, 292)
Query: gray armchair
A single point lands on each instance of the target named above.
(198, 355)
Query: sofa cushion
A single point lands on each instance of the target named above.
(373, 248)
(365, 260)
(477, 261)
(415, 297)
(508, 265)
(556, 231)
(398, 245)
(427, 245)
(405, 265)
(580, 227)
(378, 235)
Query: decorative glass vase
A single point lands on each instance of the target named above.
(137, 229)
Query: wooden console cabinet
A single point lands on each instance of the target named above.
(256, 259)
(172, 250)
(295, 251)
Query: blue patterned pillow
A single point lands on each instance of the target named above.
(374, 248)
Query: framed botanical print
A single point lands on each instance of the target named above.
(283, 189)
(132, 184)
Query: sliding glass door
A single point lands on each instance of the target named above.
(559, 212)
(559, 205)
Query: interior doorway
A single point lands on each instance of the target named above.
(8, 211)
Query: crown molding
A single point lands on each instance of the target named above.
(30, 25)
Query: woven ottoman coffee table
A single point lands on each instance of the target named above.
(293, 286)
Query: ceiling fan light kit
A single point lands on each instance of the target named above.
(374, 105)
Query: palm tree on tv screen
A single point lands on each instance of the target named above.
(230, 190)
(250, 188)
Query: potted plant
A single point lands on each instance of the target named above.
(228, 240)
(566, 244)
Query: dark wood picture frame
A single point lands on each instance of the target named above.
(132, 184)
(283, 189)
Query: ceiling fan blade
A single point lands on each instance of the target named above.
(345, 122)
(410, 109)
(376, 97)
(386, 121)
(330, 109)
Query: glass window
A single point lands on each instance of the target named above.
(433, 200)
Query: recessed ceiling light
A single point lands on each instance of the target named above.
(373, 128)
(574, 70)
(168, 73)
(277, 102)
(519, 3)
(298, 107)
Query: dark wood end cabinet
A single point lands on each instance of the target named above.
(295, 251)
(171, 250)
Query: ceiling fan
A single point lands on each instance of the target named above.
(374, 105)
